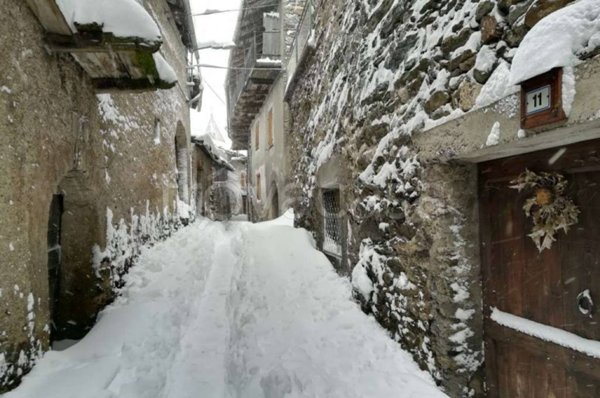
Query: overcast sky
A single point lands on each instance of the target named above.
(217, 28)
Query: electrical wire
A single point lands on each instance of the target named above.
(231, 67)
(212, 12)
(215, 92)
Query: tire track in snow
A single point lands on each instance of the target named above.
(232, 310)
(200, 368)
(165, 281)
(296, 332)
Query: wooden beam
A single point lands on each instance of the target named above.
(574, 360)
(556, 138)
(50, 16)
(124, 84)
(101, 42)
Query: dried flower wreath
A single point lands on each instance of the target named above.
(550, 210)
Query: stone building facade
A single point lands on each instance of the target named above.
(203, 174)
(390, 113)
(258, 113)
(89, 177)
(269, 164)
(212, 196)
(238, 182)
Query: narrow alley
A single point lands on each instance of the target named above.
(231, 310)
(299, 198)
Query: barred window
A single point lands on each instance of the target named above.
(332, 223)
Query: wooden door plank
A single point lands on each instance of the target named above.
(50, 16)
(543, 286)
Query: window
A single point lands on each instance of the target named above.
(256, 137)
(243, 180)
(332, 223)
(157, 131)
(270, 128)
(258, 186)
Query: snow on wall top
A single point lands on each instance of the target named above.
(547, 333)
(123, 18)
(164, 69)
(558, 40)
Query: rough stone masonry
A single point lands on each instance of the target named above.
(102, 153)
(380, 71)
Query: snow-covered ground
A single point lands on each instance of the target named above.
(231, 310)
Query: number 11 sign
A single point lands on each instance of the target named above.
(541, 101)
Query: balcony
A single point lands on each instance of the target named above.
(303, 45)
(249, 83)
(116, 43)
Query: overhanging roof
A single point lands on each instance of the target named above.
(114, 60)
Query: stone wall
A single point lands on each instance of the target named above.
(202, 173)
(100, 152)
(381, 71)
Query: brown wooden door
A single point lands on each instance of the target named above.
(541, 287)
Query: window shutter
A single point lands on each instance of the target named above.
(270, 128)
(257, 137)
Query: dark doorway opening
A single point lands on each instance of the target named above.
(54, 256)
(182, 164)
(200, 193)
(275, 203)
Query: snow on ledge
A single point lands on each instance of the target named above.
(268, 61)
(558, 40)
(123, 18)
(164, 69)
(547, 333)
(496, 88)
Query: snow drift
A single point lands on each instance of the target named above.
(232, 310)
(558, 40)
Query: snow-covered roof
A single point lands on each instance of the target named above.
(236, 156)
(94, 31)
(123, 18)
(558, 40)
(182, 14)
(127, 18)
(206, 143)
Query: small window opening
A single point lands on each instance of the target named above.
(270, 128)
(243, 180)
(257, 137)
(157, 131)
(332, 223)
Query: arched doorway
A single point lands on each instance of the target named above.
(274, 202)
(182, 160)
(75, 225)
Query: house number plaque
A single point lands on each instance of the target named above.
(541, 100)
(538, 100)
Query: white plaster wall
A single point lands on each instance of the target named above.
(271, 160)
